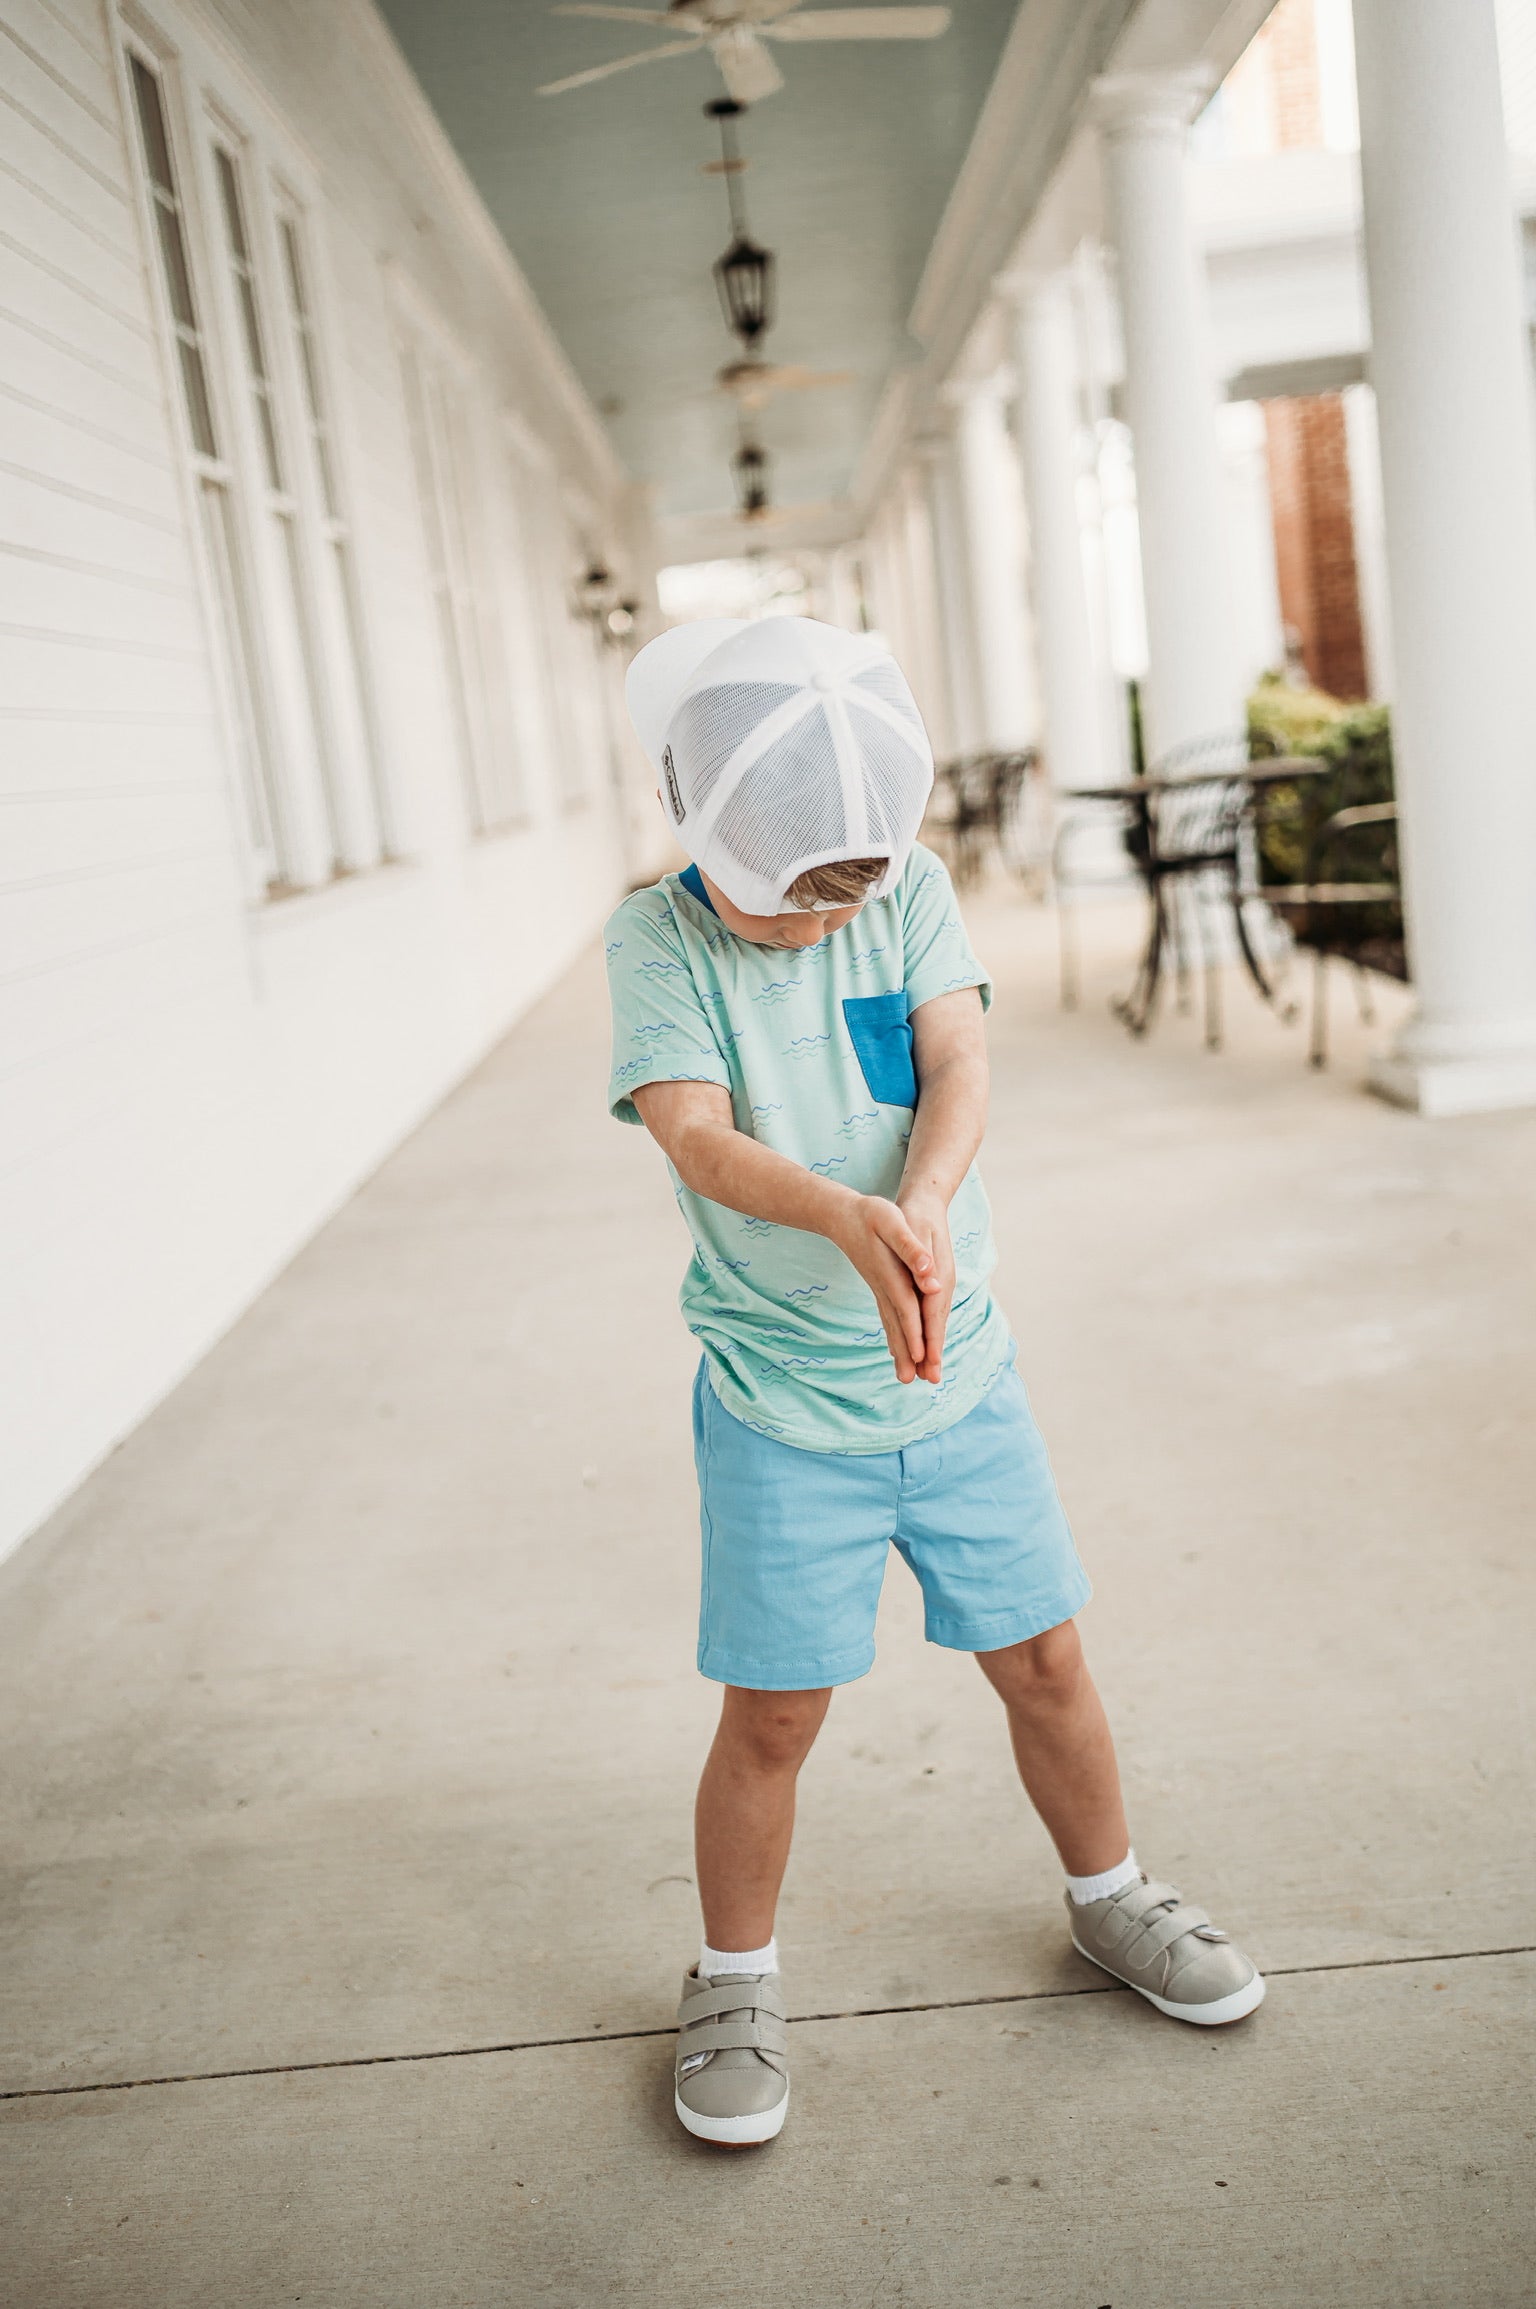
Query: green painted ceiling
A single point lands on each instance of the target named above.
(601, 196)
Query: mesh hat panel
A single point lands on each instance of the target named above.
(710, 726)
(885, 680)
(788, 806)
(894, 810)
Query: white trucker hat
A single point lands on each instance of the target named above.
(781, 743)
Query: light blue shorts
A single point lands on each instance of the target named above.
(795, 1542)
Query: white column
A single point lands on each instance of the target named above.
(952, 586)
(1193, 689)
(1459, 498)
(924, 665)
(1070, 700)
(991, 503)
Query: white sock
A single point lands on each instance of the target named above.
(716, 1960)
(1086, 1888)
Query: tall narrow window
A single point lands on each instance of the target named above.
(214, 476)
(292, 638)
(337, 574)
(435, 530)
(473, 661)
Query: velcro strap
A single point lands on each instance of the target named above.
(1168, 1929)
(735, 1996)
(766, 2035)
(1153, 1894)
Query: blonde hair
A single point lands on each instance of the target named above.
(845, 882)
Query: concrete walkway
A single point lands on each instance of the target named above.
(351, 1725)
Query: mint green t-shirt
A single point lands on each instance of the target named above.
(815, 1049)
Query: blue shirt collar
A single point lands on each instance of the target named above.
(693, 882)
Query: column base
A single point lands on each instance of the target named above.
(1439, 1087)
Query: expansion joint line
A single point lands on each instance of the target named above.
(642, 2035)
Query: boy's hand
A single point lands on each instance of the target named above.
(928, 1218)
(877, 1239)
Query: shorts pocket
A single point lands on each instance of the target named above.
(882, 1043)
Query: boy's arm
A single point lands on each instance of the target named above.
(949, 1052)
(693, 1123)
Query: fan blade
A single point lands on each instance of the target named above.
(753, 383)
(657, 16)
(862, 24)
(760, 12)
(746, 67)
(620, 64)
(793, 379)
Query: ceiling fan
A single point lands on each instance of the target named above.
(734, 32)
(753, 384)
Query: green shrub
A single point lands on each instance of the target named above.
(1356, 742)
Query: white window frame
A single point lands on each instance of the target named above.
(462, 500)
(294, 671)
(558, 563)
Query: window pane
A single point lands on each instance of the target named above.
(157, 151)
(173, 257)
(229, 193)
(250, 313)
(304, 629)
(262, 821)
(195, 387)
(300, 315)
(174, 269)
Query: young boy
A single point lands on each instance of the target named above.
(798, 1023)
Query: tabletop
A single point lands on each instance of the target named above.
(1280, 770)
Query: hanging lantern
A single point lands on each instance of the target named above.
(749, 468)
(744, 277)
(594, 592)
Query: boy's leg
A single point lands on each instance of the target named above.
(732, 2075)
(745, 1813)
(1062, 1746)
(1138, 1930)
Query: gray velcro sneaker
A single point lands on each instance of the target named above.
(1170, 1953)
(732, 2077)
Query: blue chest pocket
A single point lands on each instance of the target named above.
(882, 1043)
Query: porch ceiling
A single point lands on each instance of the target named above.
(601, 199)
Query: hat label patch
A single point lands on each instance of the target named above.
(678, 812)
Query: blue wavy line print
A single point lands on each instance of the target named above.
(804, 1362)
(807, 1291)
(648, 1030)
(667, 969)
(824, 1170)
(968, 1242)
(732, 1266)
(762, 1110)
(856, 1125)
(753, 1226)
(614, 946)
(777, 990)
(863, 956)
(807, 1045)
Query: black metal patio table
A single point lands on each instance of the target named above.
(1186, 826)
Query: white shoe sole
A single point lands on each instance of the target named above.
(1222, 2009)
(733, 2132)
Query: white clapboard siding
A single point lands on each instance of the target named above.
(85, 131)
(95, 603)
(69, 49)
(191, 1079)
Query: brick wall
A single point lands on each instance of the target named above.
(1315, 539)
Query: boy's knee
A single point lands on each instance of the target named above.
(776, 1729)
(1041, 1671)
